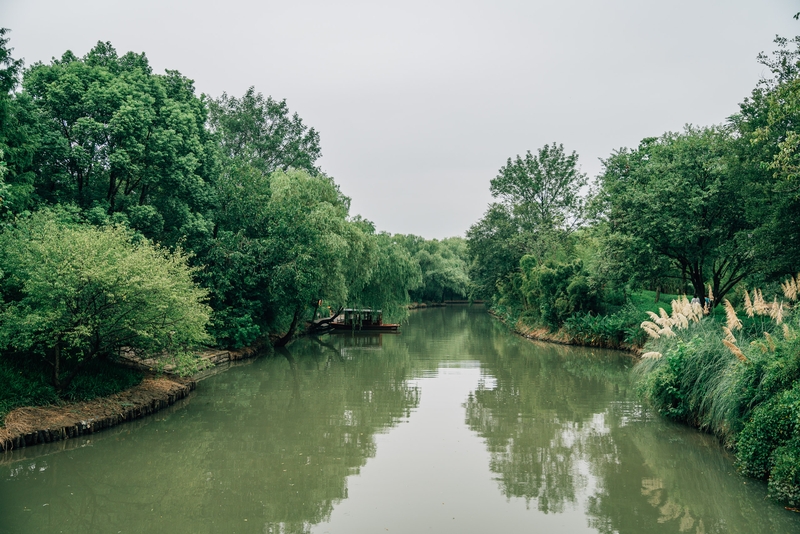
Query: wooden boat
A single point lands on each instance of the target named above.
(363, 319)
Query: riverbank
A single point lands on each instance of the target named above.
(542, 333)
(43, 424)
(32, 425)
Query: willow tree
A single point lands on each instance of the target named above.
(394, 274)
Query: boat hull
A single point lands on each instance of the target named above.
(365, 327)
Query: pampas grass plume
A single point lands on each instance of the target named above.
(770, 341)
(748, 305)
(776, 311)
(790, 288)
(728, 334)
(734, 350)
(733, 320)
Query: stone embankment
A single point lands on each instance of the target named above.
(44, 424)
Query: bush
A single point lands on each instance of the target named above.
(76, 293)
(784, 482)
(772, 425)
(612, 330)
(664, 387)
(555, 291)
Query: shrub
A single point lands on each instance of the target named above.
(612, 330)
(79, 293)
(770, 427)
(555, 291)
(784, 481)
(663, 386)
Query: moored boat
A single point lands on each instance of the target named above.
(362, 319)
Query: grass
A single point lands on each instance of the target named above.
(25, 382)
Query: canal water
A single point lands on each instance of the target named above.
(453, 425)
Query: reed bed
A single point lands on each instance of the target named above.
(739, 382)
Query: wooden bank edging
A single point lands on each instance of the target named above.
(44, 424)
(28, 426)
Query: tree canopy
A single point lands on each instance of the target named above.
(679, 197)
(75, 293)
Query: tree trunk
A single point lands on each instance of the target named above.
(56, 363)
(288, 336)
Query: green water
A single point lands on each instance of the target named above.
(454, 425)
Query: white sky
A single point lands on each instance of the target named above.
(419, 104)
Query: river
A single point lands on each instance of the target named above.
(454, 425)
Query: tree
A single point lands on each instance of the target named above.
(768, 146)
(76, 293)
(543, 191)
(394, 274)
(539, 206)
(679, 197)
(443, 265)
(18, 135)
(496, 246)
(260, 131)
(121, 140)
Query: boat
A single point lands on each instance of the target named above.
(351, 319)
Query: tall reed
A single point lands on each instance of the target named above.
(741, 383)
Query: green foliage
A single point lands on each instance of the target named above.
(784, 480)
(552, 292)
(260, 132)
(613, 330)
(101, 378)
(771, 425)
(393, 276)
(26, 382)
(679, 198)
(539, 207)
(116, 136)
(748, 393)
(23, 385)
(543, 191)
(663, 386)
(770, 145)
(76, 293)
(443, 265)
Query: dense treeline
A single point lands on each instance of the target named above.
(707, 209)
(138, 216)
(709, 213)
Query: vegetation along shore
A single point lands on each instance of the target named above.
(142, 221)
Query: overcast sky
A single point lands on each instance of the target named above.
(419, 104)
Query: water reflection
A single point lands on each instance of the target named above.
(497, 433)
(267, 450)
(541, 415)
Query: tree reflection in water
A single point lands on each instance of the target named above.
(268, 447)
(273, 445)
(540, 414)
